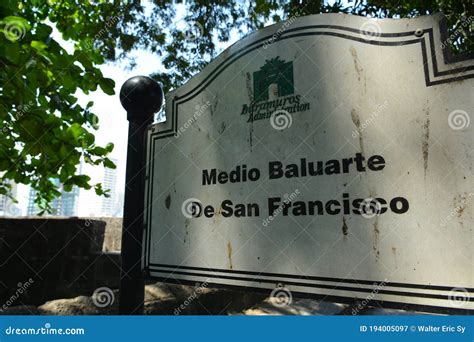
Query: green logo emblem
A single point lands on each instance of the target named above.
(274, 92)
(274, 72)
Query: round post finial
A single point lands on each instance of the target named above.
(141, 96)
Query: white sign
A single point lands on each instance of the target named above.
(328, 155)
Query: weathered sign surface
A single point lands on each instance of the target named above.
(328, 155)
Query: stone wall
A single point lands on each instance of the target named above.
(53, 266)
(113, 233)
(43, 259)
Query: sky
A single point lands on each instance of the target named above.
(113, 125)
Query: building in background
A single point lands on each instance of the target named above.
(78, 202)
(92, 205)
(8, 207)
(111, 205)
(64, 205)
(120, 199)
(68, 205)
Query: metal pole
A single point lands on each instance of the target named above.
(141, 97)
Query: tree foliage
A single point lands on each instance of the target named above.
(44, 132)
(209, 21)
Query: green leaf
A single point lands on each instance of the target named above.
(110, 164)
(12, 52)
(3, 112)
(109, 147)
(107, 85)
(43, 31)
(76, 130)
(100, 191)
(98, 151)
(67, 187)
(88, 139)
(37, 45)
(93, 120)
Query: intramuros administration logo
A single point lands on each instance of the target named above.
(273, 90)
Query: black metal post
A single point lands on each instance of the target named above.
(141, 97)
